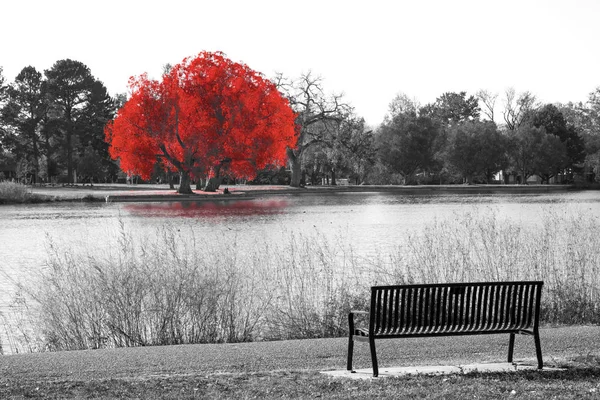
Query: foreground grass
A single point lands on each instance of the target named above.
(577, 382)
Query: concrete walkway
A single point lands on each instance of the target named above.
(367, 373)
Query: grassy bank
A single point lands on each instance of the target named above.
(149, 192)
(16, 193)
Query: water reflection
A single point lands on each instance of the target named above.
(209, 209)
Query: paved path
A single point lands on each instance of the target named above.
(558, 345)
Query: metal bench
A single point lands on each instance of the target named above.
(448, 310)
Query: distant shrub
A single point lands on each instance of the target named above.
(11, 192)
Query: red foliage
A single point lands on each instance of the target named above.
(208, 112)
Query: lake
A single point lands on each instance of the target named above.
(368, 221)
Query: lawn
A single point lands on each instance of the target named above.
(290, 369)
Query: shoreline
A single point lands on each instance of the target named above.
(162, 193)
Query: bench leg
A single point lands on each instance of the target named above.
(538, 349)
(350, 352)
(374, 357)
(511, 347)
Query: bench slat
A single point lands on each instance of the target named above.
(454, 309)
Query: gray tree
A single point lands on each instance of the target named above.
(402, 104)
(24, 113)
(488, 99)
(406, 144)
(476, 148)
(525, 142)
(516, 107)
(318, 116)
(70, 86)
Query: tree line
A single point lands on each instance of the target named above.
(51, 124)
(456, 139)
(52, 129)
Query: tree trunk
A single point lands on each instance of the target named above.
(333, 182)
(69, 137)
(69, 159)
(184, 184)
(296, 168)
(213, 184)
(48, 159)
(36, 161)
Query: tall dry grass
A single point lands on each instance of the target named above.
(563, 250)
(173, 286)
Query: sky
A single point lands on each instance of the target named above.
(368, 50)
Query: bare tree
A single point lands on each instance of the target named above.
(488, 99)
(318, 116)
(517, 107)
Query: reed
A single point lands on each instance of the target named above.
(563, 250)
(172, 287)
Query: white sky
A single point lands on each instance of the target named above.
(369, 50)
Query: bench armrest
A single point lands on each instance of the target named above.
(351, 315)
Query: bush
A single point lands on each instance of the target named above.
(11, 192)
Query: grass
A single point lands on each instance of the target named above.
(289, 369)
(576, 383)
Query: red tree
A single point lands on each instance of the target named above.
(206, 114)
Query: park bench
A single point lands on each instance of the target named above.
(449, 310)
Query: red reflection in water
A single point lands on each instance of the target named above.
(208, 209)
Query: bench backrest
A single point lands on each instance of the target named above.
(454, 308)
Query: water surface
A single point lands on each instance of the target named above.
(367, 221)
